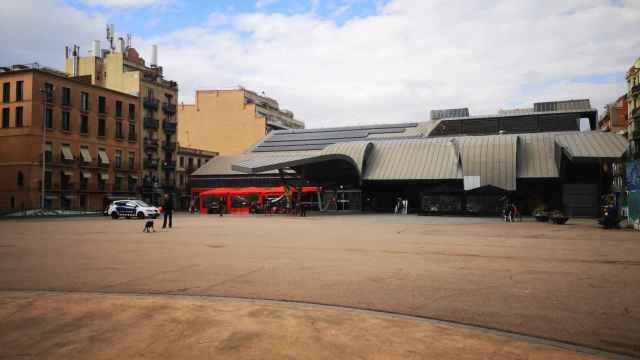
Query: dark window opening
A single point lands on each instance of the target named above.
(6, 92)
(132, 111)
(84, 124)
(102, 127)
(102, 105)
(66, 123)
(49, 118)
(19, 115)
(5, 117)
(66, 96)
(19, 90)
(119, 108)
(20, 179)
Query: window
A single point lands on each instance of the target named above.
(6, 92)
(118, 184)
(84, 124)
(5, 117)
(48, 118)
(181, 161)
(66, 96)
(132, 160)
(199, 162)
(19, 116)
(133, 181)
(20, 179)
(102, 127)
(48, 152)
(119, 133)
(132, 111)
(102, 105)
(83, 201)
(102, 182)
(190, 163)
(66, 126)
(19, 90)
(48, 88)
(118, 108)
(47, 179)
(118, 157)
(132, 131)
(84, 101)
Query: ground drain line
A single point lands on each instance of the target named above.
(566, 345)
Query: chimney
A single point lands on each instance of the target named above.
(154, 55)
(97, 51)
(66, 52)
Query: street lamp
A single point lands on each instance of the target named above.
(46, 93)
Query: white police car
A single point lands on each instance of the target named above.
(132, 208)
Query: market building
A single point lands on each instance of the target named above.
(231, 120)
(90, 145)
(464, 164)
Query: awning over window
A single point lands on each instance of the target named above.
(66, 152)
(104, 159)
(86, 175)
(119, 176)
(104, 176)
(86, 156)
(68, 173)
(47, 147)
(134, 177)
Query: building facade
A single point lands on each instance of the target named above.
(122, 69)
(189, 160)
(230, 121)
(92, 155)
(615, 117)
(633, 115)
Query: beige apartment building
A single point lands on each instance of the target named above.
(121, 68)
(91, 146)
(231, 121)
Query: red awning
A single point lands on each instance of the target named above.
(254, 190)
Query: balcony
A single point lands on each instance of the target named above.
(151, 123)
(169, 146)
(150, 143)
(169, 165)
(151, 103)
(169, 108)
(169, 127)
(150, 164)
(635, 90)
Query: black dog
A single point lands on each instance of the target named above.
(148, 226)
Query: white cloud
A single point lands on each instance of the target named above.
(38, 31)
(413, 56)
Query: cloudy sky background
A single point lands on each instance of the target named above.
(348, 62)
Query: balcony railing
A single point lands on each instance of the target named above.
(150, 163)
(169, 108)
(169, 145)
(150, 143)
(169, 126)
(150, 103)
(169, 165)
(151, 123)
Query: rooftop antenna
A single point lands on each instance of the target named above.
(110, 35)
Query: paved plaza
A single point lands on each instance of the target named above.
(74, 282)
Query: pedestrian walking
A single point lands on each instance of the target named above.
(221, 205)
(167, 206)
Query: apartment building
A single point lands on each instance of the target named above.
(189, 160)
(231, 121)
(633, 101)
(615, 117)
(121, 68)
(90, 145)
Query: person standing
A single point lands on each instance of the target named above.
(221, 205)
(167, 206)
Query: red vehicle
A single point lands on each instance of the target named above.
(241, 200)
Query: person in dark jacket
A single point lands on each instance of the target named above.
(167, 207)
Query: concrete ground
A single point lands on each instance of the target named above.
(574, 283)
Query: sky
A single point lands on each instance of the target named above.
(355, 62)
